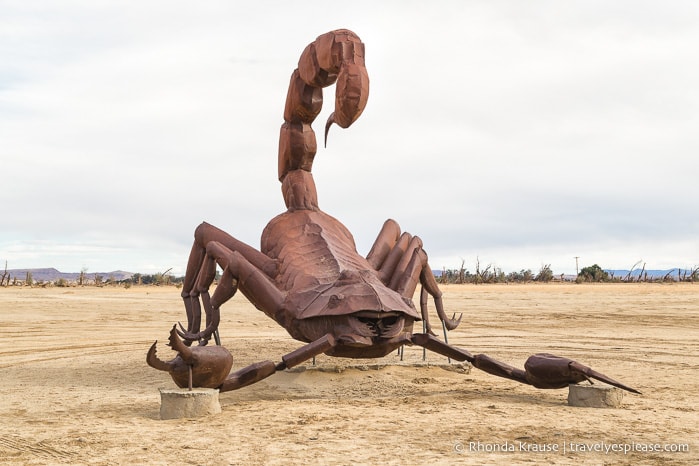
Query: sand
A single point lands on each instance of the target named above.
(76, 390)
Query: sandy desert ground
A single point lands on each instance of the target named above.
(76, 390)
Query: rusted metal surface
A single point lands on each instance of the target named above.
(308, 276)
(197, 366)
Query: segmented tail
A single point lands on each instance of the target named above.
(334, 56)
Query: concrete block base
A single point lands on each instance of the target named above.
(178, 403)
(599, 395)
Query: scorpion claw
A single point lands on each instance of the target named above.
(549, 371)
(590, 373)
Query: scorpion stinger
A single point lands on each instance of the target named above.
(328, 124)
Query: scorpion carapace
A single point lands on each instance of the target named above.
(308, 275)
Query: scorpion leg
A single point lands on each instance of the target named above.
(430, 284)
(191, 303)
(402, 264)
(261, 370)
(238, 273)
(407, 271)
(214, 252)
(413, 268)
(387, 238)
(389, 265)
(540, 370)
(207, 274)
(201, 271)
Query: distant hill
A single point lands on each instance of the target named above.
(51, 275)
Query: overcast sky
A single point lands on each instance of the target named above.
(516, 133)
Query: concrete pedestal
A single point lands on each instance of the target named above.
(598, 395)
(178, 403)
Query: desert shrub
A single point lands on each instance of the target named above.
(521, 276)
(593, 273)
(545, 274)
(500, 276)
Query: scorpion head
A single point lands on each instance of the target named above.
(209, 365)
(378, 325)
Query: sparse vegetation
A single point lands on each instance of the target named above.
(522, 276)
(545, 274)
(5, 275)
(491, 274)
(486, 275)
(593, 273)
(81, 277)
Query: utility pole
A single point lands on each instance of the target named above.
(577, 272)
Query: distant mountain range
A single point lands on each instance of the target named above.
(51, 275)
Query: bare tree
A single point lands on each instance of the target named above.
(628, 275)
(81, 277)
(482, 276)
(691, 275)
(5, 275)
(163, 278)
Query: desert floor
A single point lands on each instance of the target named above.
(76, 389)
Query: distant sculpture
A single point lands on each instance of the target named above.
(308, 276)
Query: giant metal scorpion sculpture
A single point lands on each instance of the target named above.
(308, 276)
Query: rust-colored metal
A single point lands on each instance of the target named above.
(197, 366)
(308, 276)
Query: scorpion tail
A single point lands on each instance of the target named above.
(337, 56)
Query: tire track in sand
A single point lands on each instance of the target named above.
(30, 356)
(15, 446)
